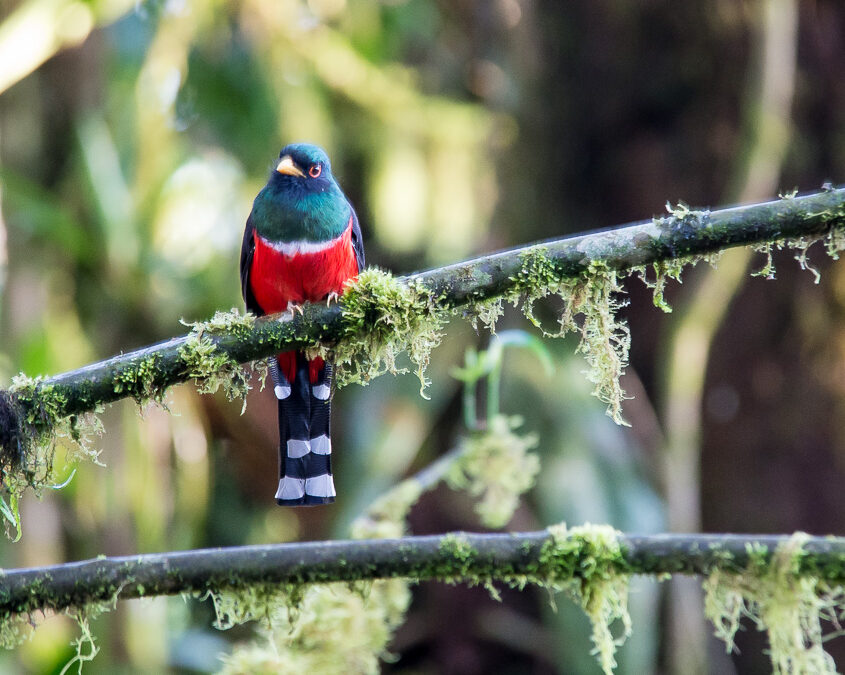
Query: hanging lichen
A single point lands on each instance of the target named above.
(485, 312)
(833, 243)
(789, 606)
(587, 563)
(671, 269)
(591, 301)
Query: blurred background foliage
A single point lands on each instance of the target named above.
(133, 136)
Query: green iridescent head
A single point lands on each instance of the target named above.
(301, 201)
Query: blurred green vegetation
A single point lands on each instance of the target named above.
(133, 137)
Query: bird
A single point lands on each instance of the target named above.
(302, 243)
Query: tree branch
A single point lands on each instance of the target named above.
(532, 556)
(682, 233)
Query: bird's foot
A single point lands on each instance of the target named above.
(332, 297)
(294, 309)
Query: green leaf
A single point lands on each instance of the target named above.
(12, 513)
(521, 338)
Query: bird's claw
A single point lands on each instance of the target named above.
(293, 308)
(332, 297)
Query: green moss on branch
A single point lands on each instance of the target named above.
(382, 317)
(802, 575)
(211, 367)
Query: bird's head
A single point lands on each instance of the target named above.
(305, 166)
(302, 200)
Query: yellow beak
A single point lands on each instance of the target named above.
(286, 166)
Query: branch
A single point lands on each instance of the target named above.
(478, 558)
(683, 233)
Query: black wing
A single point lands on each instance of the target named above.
(247, 251)
(357, 241)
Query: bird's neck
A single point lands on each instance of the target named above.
(309, 217)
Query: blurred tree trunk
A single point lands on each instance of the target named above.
(770, 86)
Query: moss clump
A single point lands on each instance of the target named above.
(773, 594)
(223, 323)
(381, 318)
(683, 215)
(537, 278)
(497, 465)
(209, 366)
(457, 546)
(140, 382)
(256, 602)
(587, 563)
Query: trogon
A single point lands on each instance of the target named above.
(302, 243)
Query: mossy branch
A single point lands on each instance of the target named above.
(515, 559)
(683, 233)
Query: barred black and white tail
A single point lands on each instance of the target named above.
(305, 446)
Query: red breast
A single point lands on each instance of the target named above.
(280, 275)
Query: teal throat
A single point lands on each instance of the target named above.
(283, 213)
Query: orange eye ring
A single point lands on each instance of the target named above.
(315, 170)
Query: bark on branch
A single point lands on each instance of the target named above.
(452, 557)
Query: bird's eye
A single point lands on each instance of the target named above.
(315, 170)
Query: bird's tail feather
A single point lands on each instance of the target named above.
(305, 446)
